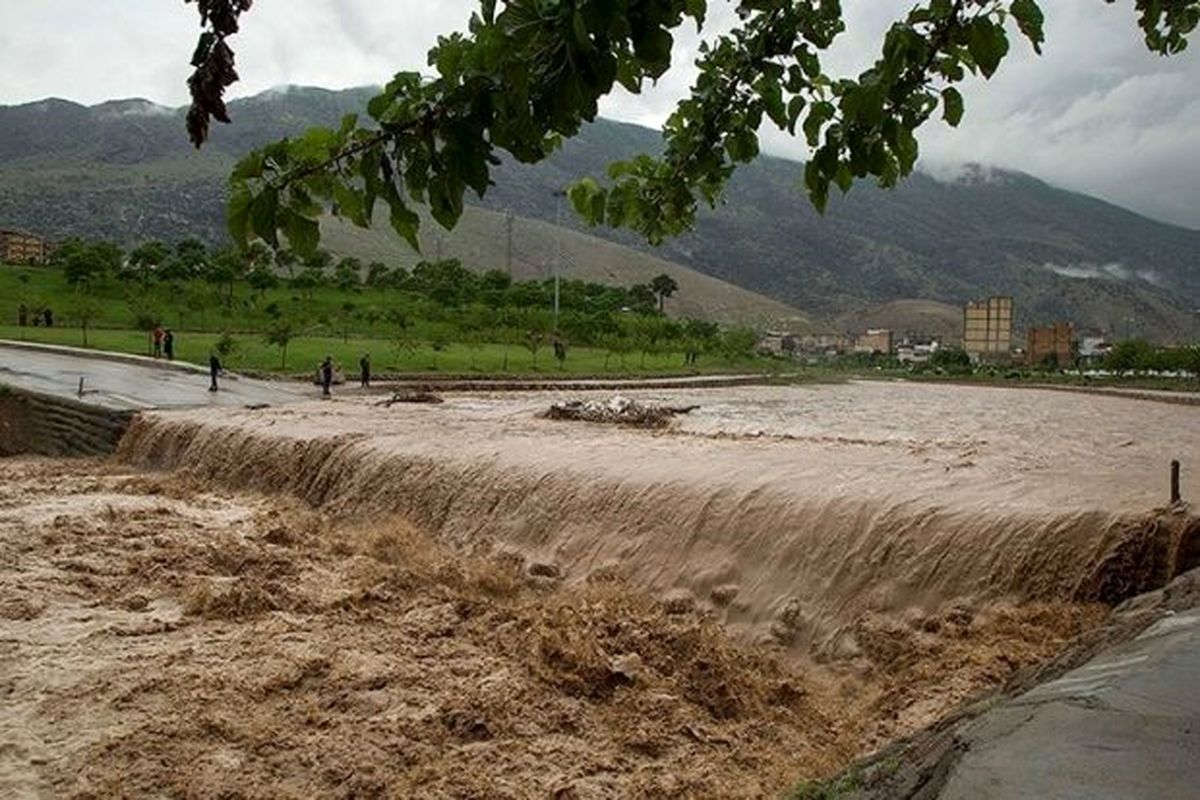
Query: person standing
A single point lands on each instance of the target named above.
(364, 365)
(169, 344)
(22, 315)
(214, 367)
(48, 317)
(158, 341)
(326, 375)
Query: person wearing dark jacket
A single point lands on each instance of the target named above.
(326, 375)
(169, 344)
(214, 367)
(364, 365)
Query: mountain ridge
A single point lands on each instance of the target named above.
(123, 169)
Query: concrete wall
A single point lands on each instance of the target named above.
(38, 424)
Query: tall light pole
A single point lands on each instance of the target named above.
(559, 196)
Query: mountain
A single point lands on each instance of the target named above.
(124, 170)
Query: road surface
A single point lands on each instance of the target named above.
(130, 384)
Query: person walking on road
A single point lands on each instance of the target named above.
(214, 367)
(158, 341)
(326, 375)
(364, 365)
(169, 344)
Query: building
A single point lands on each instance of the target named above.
(875, 340)
(911, 351)
(1094, 349)
(777, 343)
(18, 247)
(825, 344)
(1050, 342)
(987, 329)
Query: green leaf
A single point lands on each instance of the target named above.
(742, 145)
(249, 167)
(1029, 19)
(303, 234)
(405, 222)
(581, 194)
(262, 215)
(350, 204)
(237, 214)
(988, 45)
(818, 115)
(953, 105)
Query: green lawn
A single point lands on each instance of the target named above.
(254, 354)
(341, 323)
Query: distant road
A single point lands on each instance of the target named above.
(131, 383)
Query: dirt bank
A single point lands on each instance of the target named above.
(160, 636)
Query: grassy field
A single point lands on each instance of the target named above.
(436, 340)
(252, 353)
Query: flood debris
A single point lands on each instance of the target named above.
(410, 396)
(618, 411)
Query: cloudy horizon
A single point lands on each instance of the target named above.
(1097, 113)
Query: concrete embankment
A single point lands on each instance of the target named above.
(42, 424)
(1113, 717)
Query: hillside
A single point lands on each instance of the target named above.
(123, 169)
(481, 240)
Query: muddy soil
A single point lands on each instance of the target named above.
(160, 637)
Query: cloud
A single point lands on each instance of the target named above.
(1112, 271)
(1097, 113)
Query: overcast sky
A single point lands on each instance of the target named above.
(1096, 113)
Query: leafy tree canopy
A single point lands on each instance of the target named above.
(529, 72)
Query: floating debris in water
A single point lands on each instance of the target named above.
(618, 411)
(410, 396)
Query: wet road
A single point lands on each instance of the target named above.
(128, 384)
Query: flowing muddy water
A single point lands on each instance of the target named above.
(463, 600)
(791, 512)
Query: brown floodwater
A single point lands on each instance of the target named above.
(798, 508)
(465, 599)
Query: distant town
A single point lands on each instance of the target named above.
(988, 337)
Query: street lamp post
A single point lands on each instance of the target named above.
(559, 196)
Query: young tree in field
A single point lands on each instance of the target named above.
(280, 333)
(439, 342)
(533, 342)
(261, 280)
(526, 73)
(663, 286)
(474, 340)
(344, 318)
(347, 276)
(85, 309)
(403, 341)
(223, 272)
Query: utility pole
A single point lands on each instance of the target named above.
(559, 197)
(508, 225)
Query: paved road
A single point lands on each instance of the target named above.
(128, 385)
(1125, 725)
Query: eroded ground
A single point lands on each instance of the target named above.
(159, 637)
